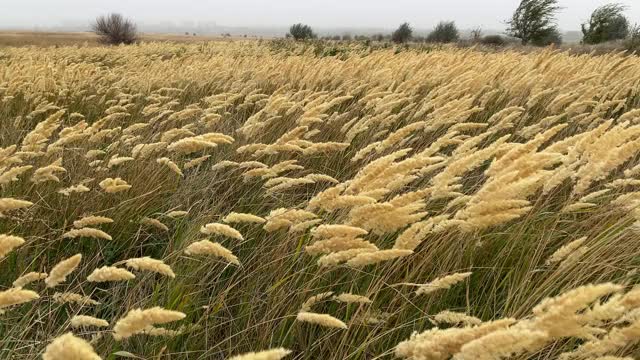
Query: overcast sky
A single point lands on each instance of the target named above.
(490, 14)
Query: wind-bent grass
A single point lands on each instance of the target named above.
(254, 196)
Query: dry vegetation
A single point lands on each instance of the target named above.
(46, 39)
(213, 200)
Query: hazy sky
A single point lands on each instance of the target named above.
(489, 14)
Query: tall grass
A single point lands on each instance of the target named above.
(379, 203)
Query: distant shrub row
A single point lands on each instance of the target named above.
(532, 23)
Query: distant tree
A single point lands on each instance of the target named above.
(114, 29)
(402, 34)
(301, 32)
(534, 22)
(476, 34)
(444, 32)
(346, 37)
(606, 23)
(378, 37)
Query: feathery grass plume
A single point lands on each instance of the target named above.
(177, 213)
(8, 243)
(144, 151)
(351, 298)
(455, 318)
(288, 184)
(86, 232)
(195, 162)
(443, 283)
(146, 221)
(91, 221)
(93, 154)
(11, 204)
(28, 278)
(16, 296)
(110, 273)
(193, 144)
(577, 207)
(502, 344)
(47, 173)
(559, 316)
(221, 229)
(439, 344)
(224, 164)
(616, 339)
(262, 173)
(13, 173)
(78, 321)
(148, 264)
(170, 164)
(273, 354)
(137, 320)
(368, 258)
(35, 141)
(252, 165)
(283, 218)
(69, 297)
(80, 188)
(336, 244)
(158, 331)
(338, 231)
(325, 320)
(336, 258)
(68, 347)
(110, 185)
(6, 154)
(321, 178)
(566, 250)
(243, 217)
(206, 247)
(413, 236)
(306, 306)
(60, 272)
(303, 226)
(118, 160)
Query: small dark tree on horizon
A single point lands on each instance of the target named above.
(606, 23)
(444, 32)
(534, 22)
(476, 34)
(402, 34)
(115, 29)
(301, 32)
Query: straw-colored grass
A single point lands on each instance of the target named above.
(325, 203)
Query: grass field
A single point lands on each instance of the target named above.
(47, 38)
(201, 201)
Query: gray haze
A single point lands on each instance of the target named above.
(323, 14)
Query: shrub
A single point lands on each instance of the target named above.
(607, 23)
(114, 29)
(534, 22)
(402, 34)
(493, 40)
(444, 32)
(550, 37)
(301, 32)
(632, 43)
